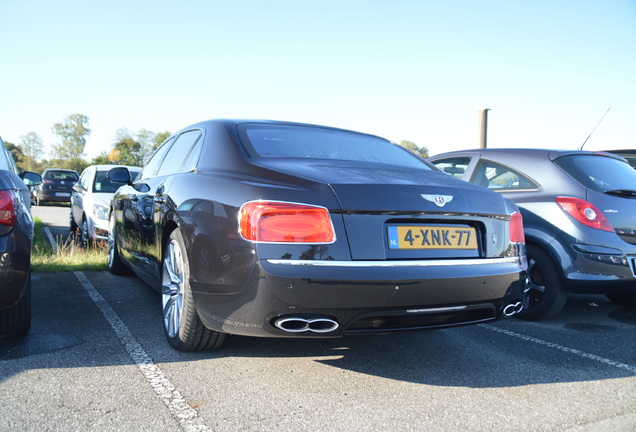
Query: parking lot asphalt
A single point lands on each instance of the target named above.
(96, 359)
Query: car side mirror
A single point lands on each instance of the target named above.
(120, 175)
(30, 178)
(79, 188)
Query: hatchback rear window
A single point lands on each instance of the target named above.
(61, 176)
(599, 173)
(307, 142)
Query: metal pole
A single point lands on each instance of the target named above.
(483, 142)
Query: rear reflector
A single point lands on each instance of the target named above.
(516, 228)
(7, 208)
(586, 213)
(282, 222)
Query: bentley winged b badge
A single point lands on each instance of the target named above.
(439, 200)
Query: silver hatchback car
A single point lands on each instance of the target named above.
(579, 214)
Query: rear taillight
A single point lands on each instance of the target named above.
(7, 207)
(516, 229)
(282, 222)
(586, 213)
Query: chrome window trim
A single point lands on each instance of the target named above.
(416, 263)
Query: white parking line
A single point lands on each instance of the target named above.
(188, 418)
(561, 348)
(48, 234)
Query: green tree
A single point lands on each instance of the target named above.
(17, 154)
(32, 148)
(126, 150)
(135, 148)
(414, 148)
(101, 159)
(72, 132)
(73, 164)
(149, 142)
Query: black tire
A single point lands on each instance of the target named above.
(182, 325)
(17, 320)
(115, 264)
(546, 295)
(85, 240)
(71, 221)
(623, 299)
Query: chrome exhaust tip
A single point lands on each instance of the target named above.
(512, 309)
(301, 325)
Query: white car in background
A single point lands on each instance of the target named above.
(90, 202)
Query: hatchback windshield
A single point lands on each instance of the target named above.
(290, 141)
(599, 173)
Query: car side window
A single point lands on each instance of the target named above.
(193, 157)
(178, 153)
(150, 170)
(499, 177)
(456, 166)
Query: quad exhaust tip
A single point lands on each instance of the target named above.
(295, 324)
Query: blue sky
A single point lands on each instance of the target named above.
(416, 70)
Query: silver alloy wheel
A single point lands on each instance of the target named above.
(172, 288)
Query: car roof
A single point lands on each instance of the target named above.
(526, 152)
(104, 167)
(232, 123)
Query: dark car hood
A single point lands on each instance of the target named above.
(380, 187)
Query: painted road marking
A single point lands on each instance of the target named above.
(561, 348)
(188, 418)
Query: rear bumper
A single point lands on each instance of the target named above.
(54, 195)
(601, 270)
(363, 296)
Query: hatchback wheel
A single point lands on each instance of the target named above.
(85, 239)
(71, 221)
(183, 327)
(623, 299)
(546, 295)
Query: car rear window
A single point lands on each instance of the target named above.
(599, 173)
(61, 175)
(307, 142)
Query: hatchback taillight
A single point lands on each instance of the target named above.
(586, 213)
(282, 222)
(7, 207)
(517, 235)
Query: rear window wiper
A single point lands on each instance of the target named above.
(626, 193)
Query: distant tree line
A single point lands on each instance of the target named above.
(414, 148)
(128, 148)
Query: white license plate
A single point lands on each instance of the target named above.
(63, 194)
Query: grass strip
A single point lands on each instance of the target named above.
(68, 256)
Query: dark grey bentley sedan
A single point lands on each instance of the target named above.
(277, 229)
(579, 211)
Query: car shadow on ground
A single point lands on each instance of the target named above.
(70, 331)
